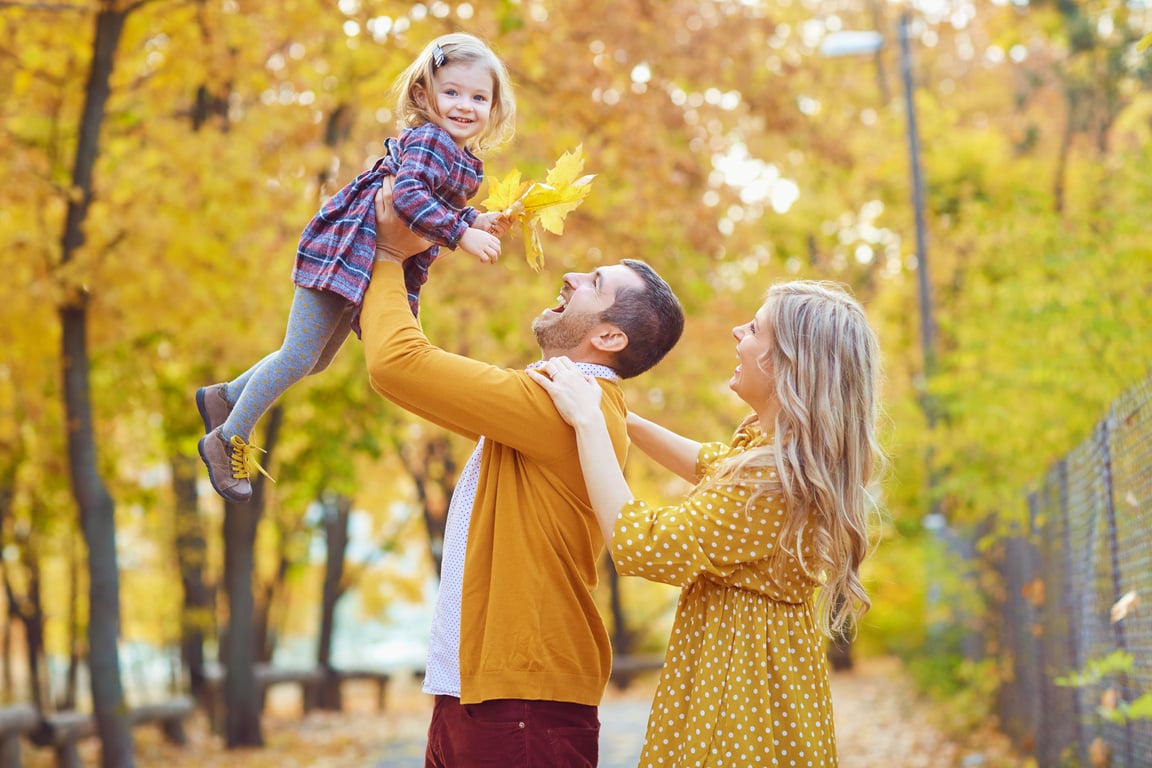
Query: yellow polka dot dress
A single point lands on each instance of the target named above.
(745, 680)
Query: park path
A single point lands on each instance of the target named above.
(880, 723)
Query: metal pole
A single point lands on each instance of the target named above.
(934, 521)
(927, 331)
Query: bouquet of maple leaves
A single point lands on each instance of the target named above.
(533, 204)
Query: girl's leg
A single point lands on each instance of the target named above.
(235, 388)
(215, 401)
(336, 340)
(313, 321)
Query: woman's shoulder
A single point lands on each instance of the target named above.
(716, 457)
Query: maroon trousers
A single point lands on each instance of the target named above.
(512, 733)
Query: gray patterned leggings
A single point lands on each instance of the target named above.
(318, 324)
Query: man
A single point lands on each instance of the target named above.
(519, 656)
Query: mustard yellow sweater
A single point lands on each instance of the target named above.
(529, 627)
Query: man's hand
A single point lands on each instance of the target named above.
(394, 241)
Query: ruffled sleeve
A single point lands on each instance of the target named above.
(714, 531)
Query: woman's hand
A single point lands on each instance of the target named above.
(577, 398)
(576, 395)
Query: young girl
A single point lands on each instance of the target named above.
(454, 99)
(777, 516)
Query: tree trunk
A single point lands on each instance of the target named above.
(336, 511)
(30, 613)
(1067, 135)
(72, 683)
(621, 636)
(7, 492)
(840, 653)
(263, 634)
(336, 508)
(8, 691)
(197, 616)
(840, 646)
(97, 518)
(211, 98)
(242, 697)
(271, 603)
(97, 511)
(433, 470)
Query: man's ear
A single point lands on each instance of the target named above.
(610, 339)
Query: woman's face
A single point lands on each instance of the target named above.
(753, 381)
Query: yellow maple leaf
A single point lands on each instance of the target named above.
(567, 169)
(503, 193)
(544, 203)
(551, 204)
(533, 249)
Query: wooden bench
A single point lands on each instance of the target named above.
(15, 721)
(380, 678)
(625, 668)
(634, 664)
(309, 679)
(62, 731)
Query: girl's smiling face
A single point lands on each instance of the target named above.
(462, 94)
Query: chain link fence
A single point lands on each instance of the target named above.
(1067, 602)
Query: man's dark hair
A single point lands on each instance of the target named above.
(651, 317)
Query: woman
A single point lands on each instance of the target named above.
(767, 546)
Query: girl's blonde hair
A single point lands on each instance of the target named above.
(449, 49)
(825, 360)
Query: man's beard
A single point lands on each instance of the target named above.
(564, 335)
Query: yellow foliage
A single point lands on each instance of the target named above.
(545, 203)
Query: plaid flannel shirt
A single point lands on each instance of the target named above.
(433, 180)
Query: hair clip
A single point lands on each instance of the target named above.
(438, 57)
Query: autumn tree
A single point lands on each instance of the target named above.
(92, 498)
(729, 155)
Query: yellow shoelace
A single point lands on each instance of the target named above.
(243, 458)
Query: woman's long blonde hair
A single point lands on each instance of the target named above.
(825, 360)
(416, 103)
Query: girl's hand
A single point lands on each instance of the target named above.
(576, 395)
(483, 245)
(494, 221)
